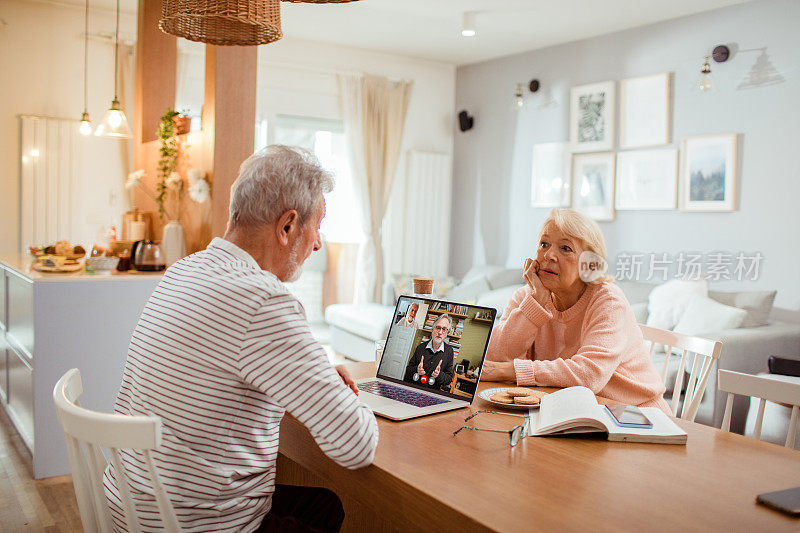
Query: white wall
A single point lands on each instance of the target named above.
(41, 52)
(298, 77)
(493, 161)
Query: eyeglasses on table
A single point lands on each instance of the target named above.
(515, 434)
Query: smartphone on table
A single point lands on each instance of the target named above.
(786, 501)
(629, 416)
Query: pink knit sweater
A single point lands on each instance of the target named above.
(595, 343)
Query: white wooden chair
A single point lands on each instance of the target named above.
(87, 432)
(704, 353)
(766, 390)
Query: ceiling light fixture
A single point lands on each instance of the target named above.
(114, 124)
(468, 24)
(223, 22)
(85, 127)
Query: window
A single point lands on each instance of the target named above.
(326, 139)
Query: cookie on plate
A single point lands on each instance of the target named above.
(519, 391)
(501, 397)
(527, 400)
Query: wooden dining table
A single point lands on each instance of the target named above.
(424, 478)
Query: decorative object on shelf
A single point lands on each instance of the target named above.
(550, 175)
(468, 24)
(645, 111)
(592, 111)
(647, 180)
(85, 127)
(114, 123)
(173, 242)
(223, 22)
(169, 150)
(183, 123)
(593, 185)
(199, 189)
(708, 173)
(721, 53)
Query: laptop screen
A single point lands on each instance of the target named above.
(437, 346)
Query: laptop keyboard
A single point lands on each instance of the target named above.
(400, 394)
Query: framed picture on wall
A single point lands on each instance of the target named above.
(592, 112)
(593, 185)
(647, 180)
(645, 113)
(550, 175)
(708, 173)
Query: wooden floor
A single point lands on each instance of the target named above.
(26, 504)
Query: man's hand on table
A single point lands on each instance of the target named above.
(498, 371)
(346, 377)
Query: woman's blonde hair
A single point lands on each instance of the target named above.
(579, 226)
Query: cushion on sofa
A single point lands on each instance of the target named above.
(703, 315)
(758, 304)
(668, 301)
(498, 298)
(366, 320)
(505, 277)
(468, 291)
(640, 312)
(636, 291)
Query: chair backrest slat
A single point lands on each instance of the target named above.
(705, 352)
(764, 388)
(92, 431)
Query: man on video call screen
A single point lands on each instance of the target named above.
(432, 361)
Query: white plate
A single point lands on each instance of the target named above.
(486, 393)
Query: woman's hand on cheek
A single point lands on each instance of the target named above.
(531, 275)
(498, 371)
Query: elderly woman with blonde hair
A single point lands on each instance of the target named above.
(571, 325)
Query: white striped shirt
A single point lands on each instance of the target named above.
(220, 352)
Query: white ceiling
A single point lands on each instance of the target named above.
(431, 29)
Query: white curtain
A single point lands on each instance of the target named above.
(374, 111)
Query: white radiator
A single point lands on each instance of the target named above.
(48, 161)
(426, 232)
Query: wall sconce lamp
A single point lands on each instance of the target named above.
(519, 98)
(720, 54)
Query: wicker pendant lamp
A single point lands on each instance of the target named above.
(223, 22)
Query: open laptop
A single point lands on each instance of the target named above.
(432, 359)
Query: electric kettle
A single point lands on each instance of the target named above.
(147, 256)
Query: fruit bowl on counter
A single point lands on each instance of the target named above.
(102, 265)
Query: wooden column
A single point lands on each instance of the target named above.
(229, 118)
(156, 64)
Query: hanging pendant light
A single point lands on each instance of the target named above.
(114, 124)
(85, 127)
(223, 22)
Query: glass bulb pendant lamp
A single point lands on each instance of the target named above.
(85, 127)
(114, 123)
(704, 83)
(519, 100)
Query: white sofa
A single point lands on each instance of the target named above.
(355, 328)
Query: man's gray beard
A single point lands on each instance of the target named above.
(295, 269)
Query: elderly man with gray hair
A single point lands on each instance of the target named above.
(431, 363)
(222, 350)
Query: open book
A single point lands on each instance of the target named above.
(575, 410)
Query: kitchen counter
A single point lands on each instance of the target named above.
(22, 264)
(50, 323)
